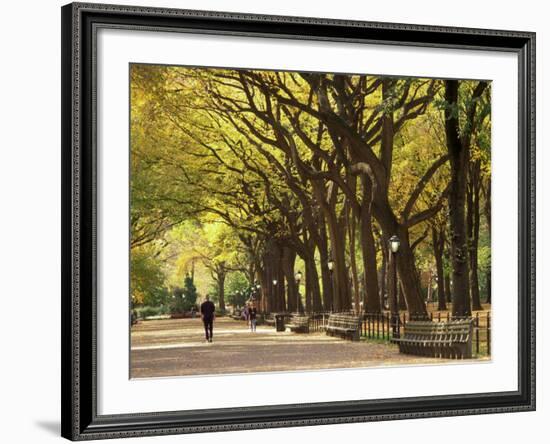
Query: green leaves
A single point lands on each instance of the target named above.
(218, 155)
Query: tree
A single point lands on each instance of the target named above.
(146, 277)
(184, 298)
(459, 138)
(237, 284)
(189, 292)
(259, 173)
(269, 99)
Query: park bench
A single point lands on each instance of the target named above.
(344, 325)
(298, 323)
(236, 315)
(270, 320)
(452, 339)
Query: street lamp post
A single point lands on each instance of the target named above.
(275, 297)
(259, 296)
(330, 265)
(252, 292)
(394, 248)
(298, 277)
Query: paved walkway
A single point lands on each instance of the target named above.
(176, 347)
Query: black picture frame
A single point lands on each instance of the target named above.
(80, 420)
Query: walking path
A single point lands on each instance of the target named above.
(176, 347)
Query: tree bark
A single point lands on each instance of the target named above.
(341, 292)
(350, 223)
(487, 211)
(325, 273)
(383, 271)
(267, 282)
(448, 291)
(473, 228)
(371, 303)
(289, 259)
(220, 279)
(401, 299)
(313, 302)
(459, 157)
(458, 146)
(409, 277)
(279, 303)
(429, 290)
(406, 265)
(438, 244)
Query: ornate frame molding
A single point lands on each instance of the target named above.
(79, 395)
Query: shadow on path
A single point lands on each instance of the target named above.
(176, 347)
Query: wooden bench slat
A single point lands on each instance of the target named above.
(298, 323)
(348, 325)
(452, 339)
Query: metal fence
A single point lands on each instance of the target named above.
(318, 321)
(380, 326)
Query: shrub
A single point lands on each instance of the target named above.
(146, 311)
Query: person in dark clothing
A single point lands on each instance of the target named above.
(207, 315)
(252, 314)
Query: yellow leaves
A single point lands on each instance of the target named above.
(415, 150)
(221, 148)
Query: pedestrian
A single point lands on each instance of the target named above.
(252, 314)
(134, 317)
(246, 313)
(208, 310)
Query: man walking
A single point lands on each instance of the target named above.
(252, 314)
(207, 315)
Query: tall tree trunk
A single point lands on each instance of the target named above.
(274, 266)
(307, 289)
(401, 299)
(429, 288)
(343, 273)
(264, 289)
(371, 303)
(279, 303)
(281, 291)
(383, 271)
(307, 253)
(408, 275)
(459, 158)
(312, 290)
(350, 223)
(289, 259)
(448, 290)
(313, 276)
(487, 211)
(326, 279)
(406, 265)
(473, 216)
(267, 282)
(438, 243)
(458, 146)
(341, 284)
(341, 292)
(393, 284)
(220, 279)
(473, 219)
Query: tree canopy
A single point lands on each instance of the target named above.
(263, 173)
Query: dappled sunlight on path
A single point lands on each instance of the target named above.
(176, 347)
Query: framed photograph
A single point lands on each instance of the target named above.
(281, 221)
